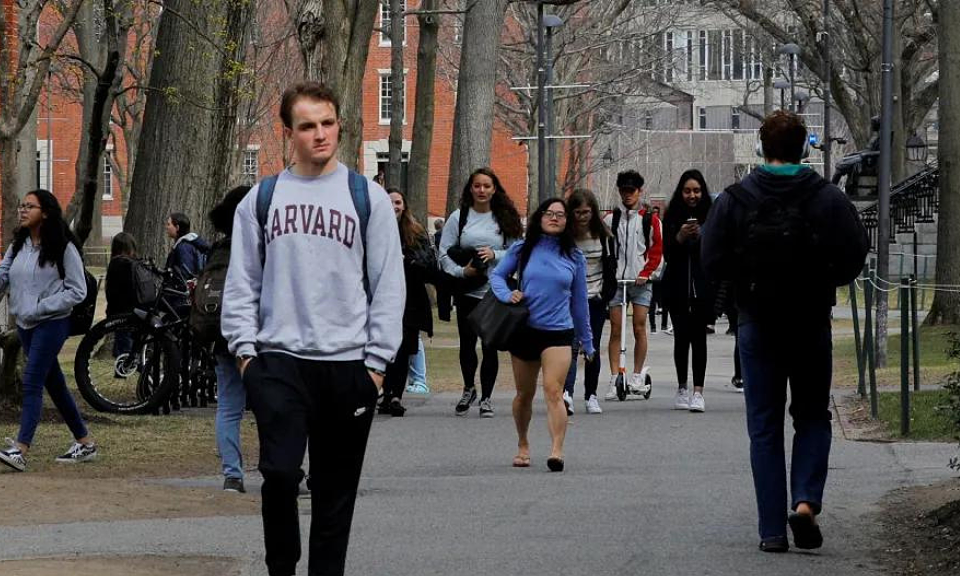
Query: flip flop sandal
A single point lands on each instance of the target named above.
(521, 461)
(806, 533)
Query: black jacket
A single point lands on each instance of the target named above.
(842, 239)
(419, 268)
(684, 281)
(120, 291)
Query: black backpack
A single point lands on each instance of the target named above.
(145, 283)
(778, 245)
(81, 317)
(208, 295)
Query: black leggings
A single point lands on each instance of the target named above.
(468, 351)
(689, 332)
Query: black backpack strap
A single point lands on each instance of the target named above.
(461, 223)
(646, 222)
(615, 228)
(360, 194)
(264, 199)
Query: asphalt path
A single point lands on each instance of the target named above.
(647, 490)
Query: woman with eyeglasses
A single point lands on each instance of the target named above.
(690, 294)
(596, 243)
(44, 272)
(552, 276)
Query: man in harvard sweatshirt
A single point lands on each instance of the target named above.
(639, 252)
(311, 347)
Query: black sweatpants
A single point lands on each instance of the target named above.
(332, 404)
(689, 334)
(468, 351)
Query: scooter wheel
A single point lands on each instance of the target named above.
(621, 388)
(649, 383)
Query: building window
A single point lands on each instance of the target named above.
(45, 165)
(251, 166)
(107, 176)
(727, 47)
(703, 118)
(385, 23)
(386, 96)
(648, 120)
(669, 64)
(735, 118)
(383, 165)
(688, 56)
(703, 55)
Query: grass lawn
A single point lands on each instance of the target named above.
(927, 422)
(934, 364)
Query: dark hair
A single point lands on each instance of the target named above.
(410, 230)
(182, 222)
(783, 136)
(678, 211)
(221, 216)
(504, 211)
(630, 178)
(123, 244)
(311, 90)
(584, 197)
(535, 231)
(54, 232)
(438, 224)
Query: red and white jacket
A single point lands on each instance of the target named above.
(634, 258)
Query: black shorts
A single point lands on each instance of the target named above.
(529, 343)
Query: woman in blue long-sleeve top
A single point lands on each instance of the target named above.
(553, 286)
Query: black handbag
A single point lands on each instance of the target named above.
(497, 322)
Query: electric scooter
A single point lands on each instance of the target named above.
(624, 389)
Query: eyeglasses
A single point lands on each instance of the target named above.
(558, 215)
(27, 207)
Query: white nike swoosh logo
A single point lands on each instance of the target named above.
(360, 411)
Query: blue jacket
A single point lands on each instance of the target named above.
(554, 288)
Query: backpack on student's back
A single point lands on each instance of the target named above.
(81, 317)
(145, 283)
(208, 295)
(778, 248)
(359, 193)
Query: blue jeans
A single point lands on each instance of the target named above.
(418, 364)
(591, 370)
(41, 345)
(231, 400)
(772, 354)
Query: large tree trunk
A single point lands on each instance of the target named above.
(178, 148)
(946, 305)
(398, 100)
(334, 39)
(473, 117)
(11, 371)
(418, 176)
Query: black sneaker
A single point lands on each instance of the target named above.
(396, 408)
(486, 408)
(737, 383)
(233, 485)
(78, 453)
(468, 397)
(13, 457)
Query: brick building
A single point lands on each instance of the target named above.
(58, 131)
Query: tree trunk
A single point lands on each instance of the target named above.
(334, 40)
(473, 117)
(10, 185)
(11, 371)
(177, 151)
(946, 305)
(398, 104)
(418, 175)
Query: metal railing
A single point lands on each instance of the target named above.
(912, 201)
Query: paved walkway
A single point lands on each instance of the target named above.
(647, 490)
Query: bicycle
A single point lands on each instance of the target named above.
(146, 377)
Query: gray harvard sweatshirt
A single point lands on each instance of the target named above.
(307, 299)
(37, 293)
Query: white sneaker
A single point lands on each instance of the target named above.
(568, 402)
(697, 404)
(682, 401)
(637, 384)
(612, 389)
(669, 331)
(593, 405)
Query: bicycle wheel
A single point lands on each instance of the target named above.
(135, 377)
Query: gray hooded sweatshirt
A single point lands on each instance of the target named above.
(306, 298)
(37, 293)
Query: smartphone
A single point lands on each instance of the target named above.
(691, 220)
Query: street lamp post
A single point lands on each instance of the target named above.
(883, 180)
(791, 50)
(781, 85)
(550, 21)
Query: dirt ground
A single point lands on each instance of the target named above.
(122, 566)
(45, 500)
(920, 530)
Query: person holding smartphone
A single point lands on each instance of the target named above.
(691, 296)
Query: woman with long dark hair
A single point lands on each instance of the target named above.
(553, 285)
(419, 267)
(690, 296)
(596, 242)
(43, 270)
(474, 239)
(120, 290)
(231, 395)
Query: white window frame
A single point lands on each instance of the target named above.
(107, 174)
(384, 111)
(703, 50)
(246, 174)
(702, 118)
(385, 17)
(44, 165)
